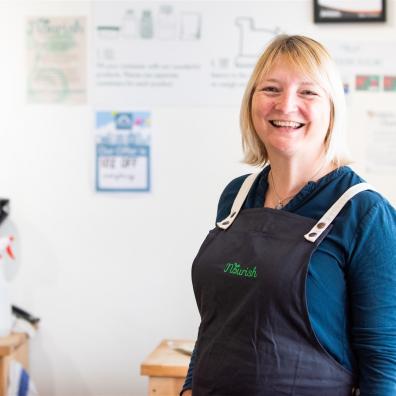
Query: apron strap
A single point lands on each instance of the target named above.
(316, 231)
(321, 225)
(238, 202)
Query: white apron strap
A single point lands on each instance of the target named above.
(238, 202)
(316, 231)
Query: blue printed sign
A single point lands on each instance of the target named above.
(123, 151)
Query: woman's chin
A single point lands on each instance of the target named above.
(287, 149)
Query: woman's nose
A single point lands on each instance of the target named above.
(287, 102)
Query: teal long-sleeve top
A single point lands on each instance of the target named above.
(351, 283)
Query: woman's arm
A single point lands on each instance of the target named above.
(186, 390)
(372, 284)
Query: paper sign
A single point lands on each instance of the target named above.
(123, 151)
(56, 59)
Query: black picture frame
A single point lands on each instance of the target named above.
(4, 208)
(324, 13)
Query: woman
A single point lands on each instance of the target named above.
(296, 299)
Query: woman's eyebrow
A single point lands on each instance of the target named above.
(270, 80)
(275, 80)
(310, 83)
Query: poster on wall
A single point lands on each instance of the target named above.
(365, 66)
(381, 140)
(349, 11)
(174, 54)
(154, 54)
(56, 60)
(122, 160)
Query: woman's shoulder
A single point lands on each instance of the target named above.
(369, 200)
(375, 211)
(367, 210)
(228, 195)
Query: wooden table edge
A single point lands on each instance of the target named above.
(163, 370)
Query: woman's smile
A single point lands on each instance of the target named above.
(286, 124)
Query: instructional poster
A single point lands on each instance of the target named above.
(56, 59)
(175, 54)
(123, 151)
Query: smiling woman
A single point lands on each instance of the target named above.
(293, 111)
(317, 314)
(317, 74)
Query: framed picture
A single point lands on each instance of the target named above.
(349, 11)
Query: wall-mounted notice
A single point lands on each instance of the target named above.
(381, 140)
(56, 60)
(150, 53)
(123, 151)
(365, 66)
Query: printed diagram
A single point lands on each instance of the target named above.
(191, 26)
(252, 40)
(162, 24)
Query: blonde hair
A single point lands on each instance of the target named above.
(313, 59)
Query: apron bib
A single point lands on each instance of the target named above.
(255, 337)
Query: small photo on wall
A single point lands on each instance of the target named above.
(349, 11)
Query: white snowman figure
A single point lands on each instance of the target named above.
(7, 261)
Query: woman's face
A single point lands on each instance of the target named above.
(290, 113)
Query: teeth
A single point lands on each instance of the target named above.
(287, 124)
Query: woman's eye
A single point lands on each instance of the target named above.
(309, 92)
(270, 89)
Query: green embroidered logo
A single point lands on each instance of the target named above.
(236, 269)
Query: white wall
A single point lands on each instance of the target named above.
(109, 274)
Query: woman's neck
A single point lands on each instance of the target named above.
(287, 177)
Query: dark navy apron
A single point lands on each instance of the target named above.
(255, 337)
